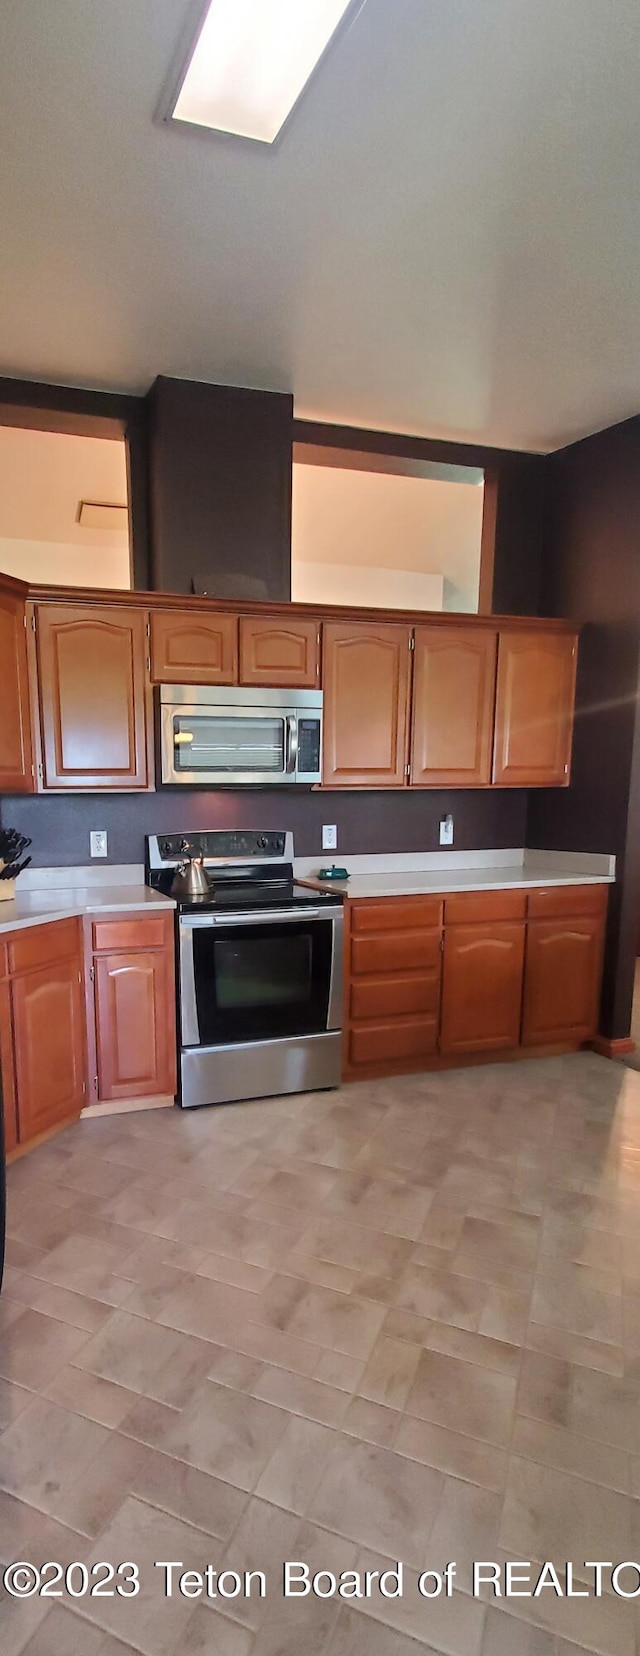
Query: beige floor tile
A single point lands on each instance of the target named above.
(599, 1463)
(300, 1395)
(355, 1246)
(552, 1514)
(44, 1450)
(85, 1267)
(359, 1635)
(452, 1625)
(504, 1637)
(461, 1457)
(28, 1533)
(209, 1633)
(570, 1297)
(454, 1393)
(33, 1348)
(329, 1319)
(130, 1351)
(77, 1309)
(495, 1271)
(606, 1408)
(336, 1369)
(13, 1399)
(292, 1475)
(390, 1372)
(573, 1348)
(441, 1296)
(514, 1244)
(225, 1432)
(379, 1498)
(371, 1422)
(545, 1388)
(262, 1541)
(152, 1622)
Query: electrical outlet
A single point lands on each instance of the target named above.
(98, 842)
(446, 830)
(329, 836)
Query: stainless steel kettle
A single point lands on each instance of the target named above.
(190, 879)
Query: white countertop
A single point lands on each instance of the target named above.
(36, 906)
(481, 872)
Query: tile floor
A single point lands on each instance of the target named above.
(397, 1321)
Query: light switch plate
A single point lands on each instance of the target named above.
(98, 842)
(329, 836)
(446, 830)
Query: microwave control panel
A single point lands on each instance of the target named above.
(309, 747)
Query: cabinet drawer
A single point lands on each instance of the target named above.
(142, 931)
(465, 907)
(395, 952)
(40, 945)
(550, 902)
(395, 914)
(383, 1042)
(388, 996)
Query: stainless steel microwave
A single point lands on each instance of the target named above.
(212, 737)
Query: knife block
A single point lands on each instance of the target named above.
(7, 888)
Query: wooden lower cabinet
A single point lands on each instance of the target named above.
(48, 1046)
(482, 986)
(135, 1009)
(7, 1070)
(432, 980)
(393, 974)
(563, 968)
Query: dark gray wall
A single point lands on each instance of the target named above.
(591, 572)
(59, 826)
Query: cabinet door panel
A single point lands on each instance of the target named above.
(49, 1041)
(453, 700)
(276, 652)
(482, 986)
(92, 669)
(395, 952)
(7, 1075)
(16, 755)
(366, 679)
(534, 709)
(135, 1024)
(382, 1043)
(562, 980)
(188, 648)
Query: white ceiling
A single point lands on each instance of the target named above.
(447, 240)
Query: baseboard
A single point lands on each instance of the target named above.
(122, 1106)
(613, 1049)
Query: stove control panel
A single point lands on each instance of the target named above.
(221, 843)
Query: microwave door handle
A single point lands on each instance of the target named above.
(291, 744)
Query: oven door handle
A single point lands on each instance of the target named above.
(292, 744)
(258, 917)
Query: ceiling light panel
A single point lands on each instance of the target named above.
(251, 61)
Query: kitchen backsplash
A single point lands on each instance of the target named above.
(59, 825)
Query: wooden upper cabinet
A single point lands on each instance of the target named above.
(16, 758)
(482, 986)
(93, 696)
(453, 701)
(534, 709)
(278, 652)
(49, 1041)
(188, 648)
(366, 684)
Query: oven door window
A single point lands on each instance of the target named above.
(256, 982)
(214, 742)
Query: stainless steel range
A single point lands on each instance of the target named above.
(259, 967)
